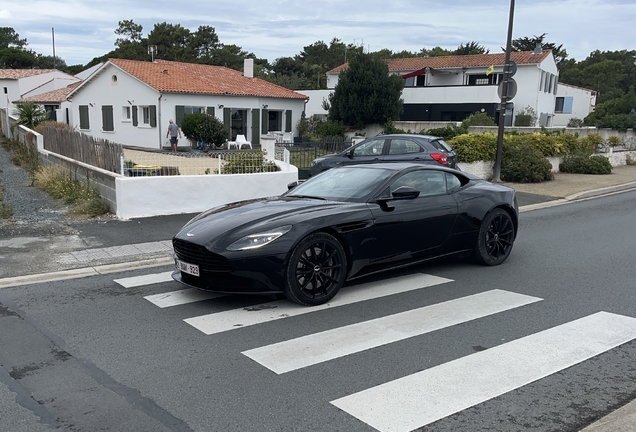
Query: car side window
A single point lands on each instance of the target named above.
(452, 182)
(428, 182)
(371, 147)
(403, 146)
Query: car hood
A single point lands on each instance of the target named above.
(238, 219)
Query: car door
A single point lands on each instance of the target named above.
(369, 151)
(404, 150)
(410, 229)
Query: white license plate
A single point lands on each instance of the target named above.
(188, 268)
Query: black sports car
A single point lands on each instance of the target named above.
(424, 149)
(345, 223)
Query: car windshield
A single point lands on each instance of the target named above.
(342, 184)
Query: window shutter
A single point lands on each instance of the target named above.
(179, 113)
(288, 121)
(83, 113)
(210, 111)
(256, 136)
(153, 115)
(134, 112)
(108, 123)
(227, 120)
(264, 121)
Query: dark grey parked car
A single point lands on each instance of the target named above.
(390, 148)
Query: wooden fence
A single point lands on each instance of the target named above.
(97, 152)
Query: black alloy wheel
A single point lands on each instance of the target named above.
(496, 236)
(316, 270)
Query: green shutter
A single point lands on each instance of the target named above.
(288, 121)
(256, 136)
(135, 121)
(179, 113)
(227, 120)
(210, 111)
(265, 122)
(153, 115)
(108, 123)
(83, 114)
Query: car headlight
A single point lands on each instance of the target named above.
(317, 161)
(254, 241)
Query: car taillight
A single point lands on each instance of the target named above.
(440, 158)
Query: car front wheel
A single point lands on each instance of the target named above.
(496, 236)
(316, 270)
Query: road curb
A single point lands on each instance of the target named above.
(84, 272)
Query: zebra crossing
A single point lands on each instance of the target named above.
(424, 397)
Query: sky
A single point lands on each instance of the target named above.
(84, 29)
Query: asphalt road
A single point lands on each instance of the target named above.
(95, 354)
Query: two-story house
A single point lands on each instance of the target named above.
(450, 88)
(131, 102)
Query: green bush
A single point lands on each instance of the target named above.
(248, 162)
(522, 163)
(472, 147)
(205, 128)
(330, 128)
(620, 122)
(448, 132)
(583, 163)
(575, 122)
(389, 128)
(478, 119)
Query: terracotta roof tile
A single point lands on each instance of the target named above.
(23, 73)
(57, 96)
(177, 77)
(446, 62)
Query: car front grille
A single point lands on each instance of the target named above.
(199, 255)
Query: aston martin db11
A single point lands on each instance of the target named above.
(343, 224)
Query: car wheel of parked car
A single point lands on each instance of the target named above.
(316, 270)
(496, 236)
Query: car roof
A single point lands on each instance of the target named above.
(428, 137)
(399, 166)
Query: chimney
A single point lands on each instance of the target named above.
(537, 48)
(248, 67)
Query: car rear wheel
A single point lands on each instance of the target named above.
(496, 236)
(316, 270)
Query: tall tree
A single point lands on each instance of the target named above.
(435, 52)
(204, 43)
(471, 48)
(10, 39)
(366, 93)
(15, 58)
(529, 44)
(129, 32)
(172, 42)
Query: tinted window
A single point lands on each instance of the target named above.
(428, 182)
(403, 146)
(452, 182)
(442, 146)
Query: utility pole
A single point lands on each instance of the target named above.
(504, 98)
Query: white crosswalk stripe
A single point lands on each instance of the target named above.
(181, 297)
(422, 398)
(320, 347)
(142, 280)
(243, 317)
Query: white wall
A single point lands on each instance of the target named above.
(53, 84)
(582, 104)
(152, 196)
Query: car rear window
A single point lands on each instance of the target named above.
(442, 146)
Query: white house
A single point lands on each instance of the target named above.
(450, 88)
(572, 102)
(20, 83)
(130, 102)
(55, 103)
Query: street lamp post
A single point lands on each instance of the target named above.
(504, 98)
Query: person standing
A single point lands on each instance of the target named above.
(174, 131)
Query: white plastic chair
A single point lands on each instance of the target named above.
(240, 142)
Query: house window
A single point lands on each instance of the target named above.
(193, 109)
(6, 90)
(147, 117)
(125, 114)
(564, 105)
(482, 79)
(108, 125)
(84, 119)
(275, 121)
(409, 82)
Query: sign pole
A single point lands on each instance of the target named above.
(496, 174)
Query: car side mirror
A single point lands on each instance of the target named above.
(350, 154)
(405, 193)
(292, 185)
